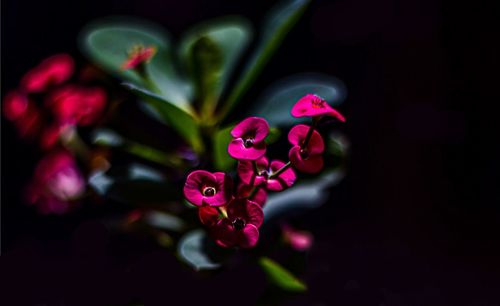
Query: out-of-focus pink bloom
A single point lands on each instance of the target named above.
(298, 240)
(57, 181)
(138, 55)
(19, 109)
(15, 105)
(206, 188)
(259, 175)
(307, 159)
(241, 227)
(73, 104)
(248, 139)
(312, 105)
(51, 71)
(260, 196)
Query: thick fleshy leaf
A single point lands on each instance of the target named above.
(183, 122)
(137, 184)
(280, 277)
(277, 102)
(192, 249)
(223, 161)
(279, 22)
(302, 196)
(209, 52)
(106, 137)
(164, 221)
(108, 41)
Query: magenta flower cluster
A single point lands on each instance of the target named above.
(233, 218)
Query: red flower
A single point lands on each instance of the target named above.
(248, 139)
(313, 105)
(260, 174)
(241, 227)
(17, 107)
(260, 196)
(138, 56)
(73, 104)
(205, 188)
(57, 181)
(306, 158)
(51, 71)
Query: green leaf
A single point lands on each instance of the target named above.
(273, 136)
(279, 22)
(192, 249)
(109, 138)
(277, 102)
(139, 184)
(108, 41)
(304, 195)
(184, 123)
(281, 277)
(223, 161)
(209, 52)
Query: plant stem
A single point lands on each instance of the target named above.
(222, 212)
(253, 192)
(280, 170)
(309, 133)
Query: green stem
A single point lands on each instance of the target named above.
(253, 192)
(280, 170)
(222, 212)
(315, 121)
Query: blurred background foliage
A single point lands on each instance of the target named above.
(415, 221)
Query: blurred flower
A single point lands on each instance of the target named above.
(205, 188)
(19, 109)
(260, 196)
(51, 71)
(306, 158)
(261, 172)
(298, 240)
(241, 227)
(57, 181)
(248, 139)
(313, 105)
(138, 55)
(74, 104)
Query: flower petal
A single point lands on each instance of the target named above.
(256, 126)
(249, 237)
(312, 164)
(193, 185)
(208, 215)
(260, 196)
(237, 150)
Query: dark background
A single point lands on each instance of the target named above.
(415, 222)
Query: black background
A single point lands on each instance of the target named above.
(415, 222)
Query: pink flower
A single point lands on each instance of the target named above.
(138, 55)
(51, 71)
(241, 227)
(208, 215)
(260, 196)
(205, 188)
(312, 105)
(248, 139)
(298, 240)
(73, 104)
(306, 159)
(259, 175)
(19, 109)
(57, 181)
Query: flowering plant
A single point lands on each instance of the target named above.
(165, 142)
